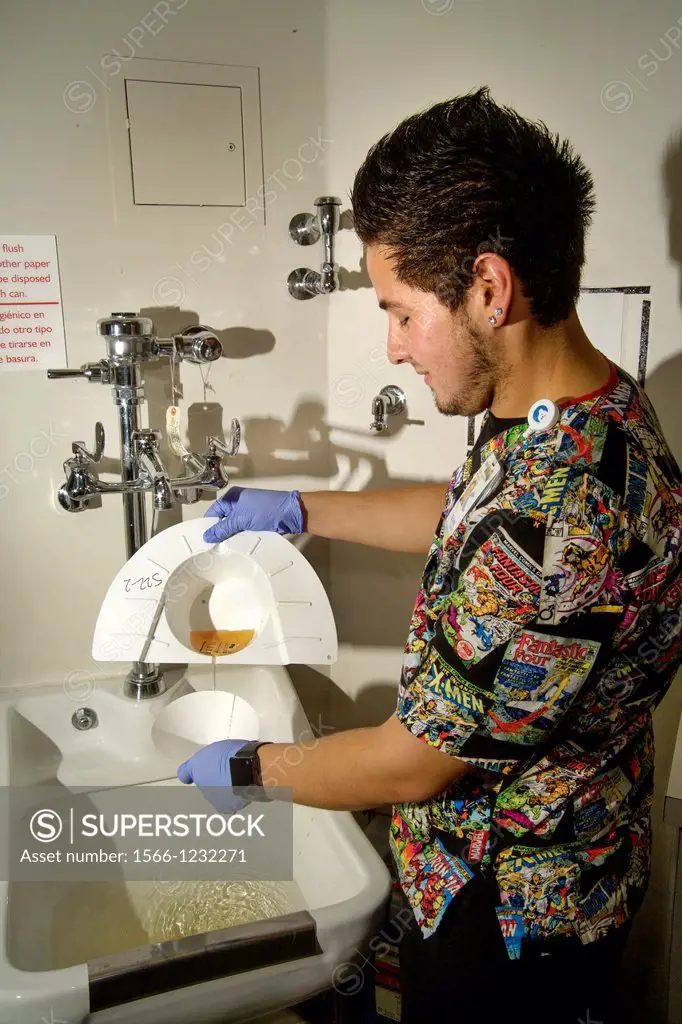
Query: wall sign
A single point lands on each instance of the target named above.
(31, 321)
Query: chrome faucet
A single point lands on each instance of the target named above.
(388, 402)
(131, 341)
(305, 229)
(207, 471)
(147, 450)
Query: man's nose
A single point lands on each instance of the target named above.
(396, 347)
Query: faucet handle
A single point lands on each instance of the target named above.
(78, 447)
(99, 373)
(216, 446)
(303, 229)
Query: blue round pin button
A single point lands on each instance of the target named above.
(542, 415)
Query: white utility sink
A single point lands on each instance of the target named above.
(86, 952)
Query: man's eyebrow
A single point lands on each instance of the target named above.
(389, 304)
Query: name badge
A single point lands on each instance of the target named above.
(481, 485)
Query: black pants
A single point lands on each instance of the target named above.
(462, 972)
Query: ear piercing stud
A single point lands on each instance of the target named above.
(493, 319)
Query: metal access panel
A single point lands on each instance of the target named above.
(173, 127)
(185, 141)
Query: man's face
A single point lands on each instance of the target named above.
(457, 360)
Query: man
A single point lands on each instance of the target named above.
(547, 627)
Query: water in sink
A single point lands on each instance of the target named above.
(94, 919)
(188, 908)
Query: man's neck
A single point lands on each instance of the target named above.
(557, 363)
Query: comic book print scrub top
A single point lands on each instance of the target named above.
(545, 631)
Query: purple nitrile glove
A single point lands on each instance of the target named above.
(254, 508)
(209, 770)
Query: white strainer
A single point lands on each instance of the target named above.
(192, 721)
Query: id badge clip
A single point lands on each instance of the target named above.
(481, 486)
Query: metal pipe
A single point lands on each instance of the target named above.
(144, 679)
(134, 514)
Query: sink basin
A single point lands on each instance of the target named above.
(144, 952)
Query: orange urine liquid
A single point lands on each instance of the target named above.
(219, 642)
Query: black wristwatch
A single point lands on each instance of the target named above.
(245, 770)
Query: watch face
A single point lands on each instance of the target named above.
(242, 769)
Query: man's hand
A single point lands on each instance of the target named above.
(209, 770)
(253, 508)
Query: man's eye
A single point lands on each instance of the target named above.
(404, 323)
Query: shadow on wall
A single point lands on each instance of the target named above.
(664, 384)
(353, 280)
(646, 975)
(330, 709)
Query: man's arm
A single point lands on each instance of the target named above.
(400, 519)
(359, 769)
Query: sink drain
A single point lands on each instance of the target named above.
(84, 718)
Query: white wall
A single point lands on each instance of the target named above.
(552, 61)
(350, 69)
(57, 178)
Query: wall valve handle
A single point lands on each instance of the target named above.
(78, 447)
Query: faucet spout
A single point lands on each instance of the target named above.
(379, 407)
(389, 401)
(328, 279)
(147, 449)
(210, 475)
(163, 495)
